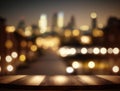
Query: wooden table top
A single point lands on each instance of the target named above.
(60, 82)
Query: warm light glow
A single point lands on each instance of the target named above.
(85, 39)
(0, 69)
(33, 48)
(39, 41)
(103, 50)
(69, 70)
(35, 80)
(14, 54)
(76, 65)
(110, 50)
(115, 69)
(8, 59)
(76, 32)
(100, 25)
(67, 33)
(91, 64)
(23, 43)
(84, 28)
(72, 51)
(22, 57)
(10, 68)
(8, 44)
(10, 29)
(98, 33)
(60, 20)
(96, 50)
(116, 50)
(43, 23)
(64, 51)
(84, 50)
(93, 15)
(48, 42)
(60, 80)
(28, 31)
(88, 80)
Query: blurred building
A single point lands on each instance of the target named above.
(8, 48)
(43, 23)
(71, 25)
(112, 30)
(57, 22)
(60, 20)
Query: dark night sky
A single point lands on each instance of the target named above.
(13, 10)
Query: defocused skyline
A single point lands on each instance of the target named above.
(14, 10)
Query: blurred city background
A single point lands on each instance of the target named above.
(59, 37)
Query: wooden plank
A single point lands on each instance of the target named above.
(30, 80)
(114, 79)
(8, 79)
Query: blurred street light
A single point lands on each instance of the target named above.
(10, 68)
(69, 70)
(115, 69)
(91, 64)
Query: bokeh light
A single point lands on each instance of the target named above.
(91, 64)
(115, 69)
(84, 50)
(10, 68)
(76, 64)
(8, 58)
(96, 50)
(14, 54)
(22, 57)
(69, 70)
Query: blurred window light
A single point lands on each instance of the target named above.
(22, 57)
(84, 28)
(85, 39)
(10, 29)
(39, 41)
(93, 15)
(76, 32)
(28, 31)
(103, 50)
(97, 33)
(91, 64)
(60, 20)
(83, 50)
(69, 70)
(8, 44)
(43, 23)
(8, 59)
(14, 54)
(10, 68)
(23, 43)
(67, 33)
(96, 50)
(33, 48)
(116, 50)
(110, 50)
(76, 65)
(115, 69)
(90, 50)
